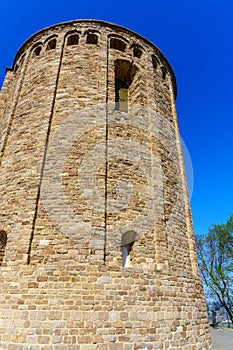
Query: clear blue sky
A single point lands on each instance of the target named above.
(197, 38)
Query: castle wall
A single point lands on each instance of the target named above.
(79, 179)
(88, 307)
(5, 107)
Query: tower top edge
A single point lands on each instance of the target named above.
(104, 24)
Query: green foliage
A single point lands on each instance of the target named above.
(215, 258)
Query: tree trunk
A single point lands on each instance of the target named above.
(228, 310)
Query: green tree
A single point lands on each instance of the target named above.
(215, 258)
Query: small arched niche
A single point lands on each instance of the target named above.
(118, 44)
(16, 67)
(92, 38)
(155, 62)
(3, 241)
(72, 39)
(19, 63)
(137, 50)
(51, 44)
(164, 72)
(37, 50)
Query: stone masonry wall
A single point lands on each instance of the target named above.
(80, 179)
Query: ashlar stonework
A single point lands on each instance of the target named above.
(97, 247)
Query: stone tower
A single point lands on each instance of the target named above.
(97, 248)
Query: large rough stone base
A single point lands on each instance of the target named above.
(89, 307)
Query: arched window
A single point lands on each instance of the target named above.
(155, 62)
(127, 242)
(16, 67)
(124, 75)
(22, 59)
(3, 241)
(73, 39)
(51, 45)
(37, 51)
(117, 44)
(164, 72)
(125, 256)
(137, 51)
(92, 38)
(121, 93)
(19, 63)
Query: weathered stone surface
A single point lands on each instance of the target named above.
(79, 178)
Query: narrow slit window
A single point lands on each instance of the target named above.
(125, 251)
(3, 241)
(164, 72)
(73, 39)
(155, 62)
(121, 93)
(92, 39)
